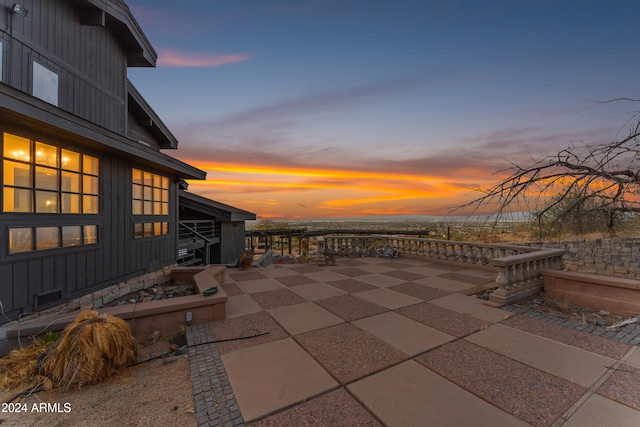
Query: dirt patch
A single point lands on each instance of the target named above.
(153, 393)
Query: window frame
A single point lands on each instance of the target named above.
(46, 180)
(150, 204)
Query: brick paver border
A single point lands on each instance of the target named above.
(215, 403)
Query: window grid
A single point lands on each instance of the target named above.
(43, 178)
(28, 239)
(149, 229)
(150, 193)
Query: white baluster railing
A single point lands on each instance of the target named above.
(519, 267)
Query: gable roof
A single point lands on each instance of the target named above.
(40, 115)
(139, 107)
(116, 16)
(215, 209)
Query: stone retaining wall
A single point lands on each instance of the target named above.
(614, 257)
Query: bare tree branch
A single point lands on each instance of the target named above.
(581, 179)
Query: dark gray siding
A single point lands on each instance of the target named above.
(89, 61)
(74, 271)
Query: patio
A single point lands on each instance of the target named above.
(398, 342)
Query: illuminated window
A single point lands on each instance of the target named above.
(148, 229)
(26, 239)
(43, 178)
(150, 196)
(150, 193)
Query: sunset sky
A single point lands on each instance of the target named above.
(317, 109)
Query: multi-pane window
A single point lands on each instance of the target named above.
(25, 239)
(147, 229)
(150, 193)
(42, 178)
(150, 196)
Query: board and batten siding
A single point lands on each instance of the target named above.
(88, 60)
(74, 271)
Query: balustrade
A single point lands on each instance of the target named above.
(519, 267)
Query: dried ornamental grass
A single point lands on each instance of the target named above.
(19, 368)
(91, 348)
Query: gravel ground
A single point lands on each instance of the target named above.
(419, 291)
(351, 285)
(623, 386)
(336, 408)
(451, 322)
(278, 298)
(150, 394)
(349, 353)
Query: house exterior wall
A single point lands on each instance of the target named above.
(76, 41)
(232, 236)
(87, 59)
(76, 270)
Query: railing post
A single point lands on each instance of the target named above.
(320, 260)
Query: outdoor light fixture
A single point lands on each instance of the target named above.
(19, 9)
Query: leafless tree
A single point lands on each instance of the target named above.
(582, 180)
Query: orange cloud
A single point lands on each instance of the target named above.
(287, 192)
(173, 58)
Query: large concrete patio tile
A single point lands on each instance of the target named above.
(376, 268)
(255, 329)
(295, 280)
(350, 308)
(419, 291)
(351, 285)
(473, 306)
(353, 271)
(348, 352)
(599, 411)
(427, 270)
(445, 320)
(325, 276)
(405, 275)
(403, 333)
(304, 317)
(634, 359)
(277, 298)
(573, 364)
(617, 387)
(317, 291)
(239, 305)
(380, 280)
(530, 394)
(279, 271)
(445, 284)
(412, 395)
(336, 408)
(386, 298)
(260, 285)
(272, 376)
